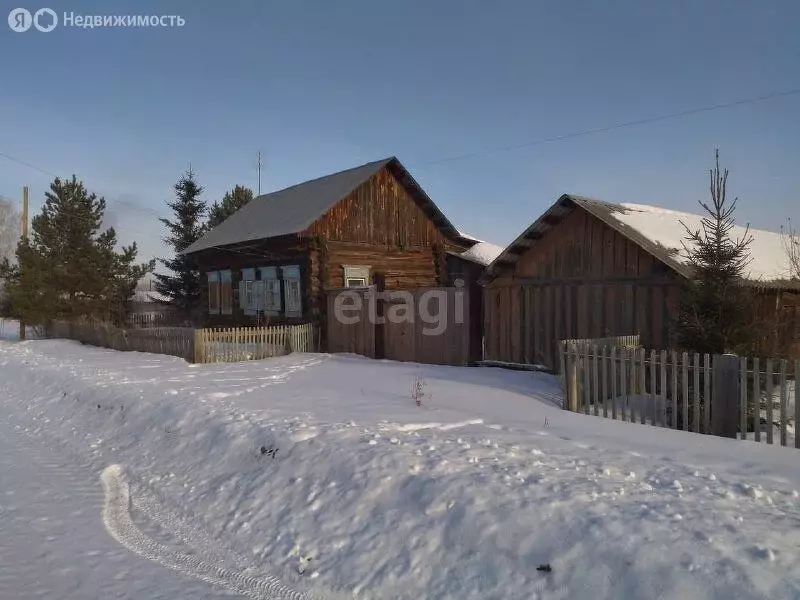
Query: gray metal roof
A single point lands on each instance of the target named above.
(287, 211)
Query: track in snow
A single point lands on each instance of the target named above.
(117, 520)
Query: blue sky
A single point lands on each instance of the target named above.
(322, 86)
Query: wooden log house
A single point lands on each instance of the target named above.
(274, 259)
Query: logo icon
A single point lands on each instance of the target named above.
(45, 25)
(20, 20)
(44, 19)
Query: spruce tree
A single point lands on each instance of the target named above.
(70, 268)
(231, 202)
(182, 285)
(716, 311)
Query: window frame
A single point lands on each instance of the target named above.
(272, 291)
(290, 274)
(348, 284)
(248, 301)
(356, 273)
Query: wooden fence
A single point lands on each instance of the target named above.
(193, 345)
(721, 395)
(393, 325)
(252, 343)
(173, 341)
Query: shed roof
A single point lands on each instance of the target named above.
(294, 209)
(658, 231)
(481, 253)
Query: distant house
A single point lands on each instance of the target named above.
(275, 259)
(147, 307)
(590, 269)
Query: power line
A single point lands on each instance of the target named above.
(29, 165)
(634, 123)
(556, 138)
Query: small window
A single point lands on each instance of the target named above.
(356, 276)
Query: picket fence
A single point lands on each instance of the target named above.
(721, 395)
(252, 343)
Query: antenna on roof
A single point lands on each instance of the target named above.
(259, 172)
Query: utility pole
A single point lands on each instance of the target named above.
(259, 172)
(24, 237)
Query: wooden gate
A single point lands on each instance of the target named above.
(427, 325)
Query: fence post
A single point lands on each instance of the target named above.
(198, 345)
(725, 395)
(572, 379)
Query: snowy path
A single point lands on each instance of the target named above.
(52, 540)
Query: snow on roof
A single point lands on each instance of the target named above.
(482, 253)
(663, 226)
(467, 236)
(140, 295)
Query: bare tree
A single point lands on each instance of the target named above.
(791, 245)
(9, 229)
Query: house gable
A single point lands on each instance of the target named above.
(581, 246)
(386, 210)
(576, 237)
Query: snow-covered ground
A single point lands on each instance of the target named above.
(256, 471)
(52, 540)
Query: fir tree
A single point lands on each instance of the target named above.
(715, 313)
(182, 284)
(70, 269)
(231, 202)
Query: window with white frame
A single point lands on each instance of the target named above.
(293, 304)
(272, 290)
(356, 276)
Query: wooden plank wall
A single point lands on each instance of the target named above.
(401, 268)
(581, 280)
(380, 212)
(410, 339)
(524, 322)
(355, 338)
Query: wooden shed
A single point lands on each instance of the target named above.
(587, 269)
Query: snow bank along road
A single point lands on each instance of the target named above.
(321, 473)
(52, 540)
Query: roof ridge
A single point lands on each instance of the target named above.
(367, 164)
(636, 206)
